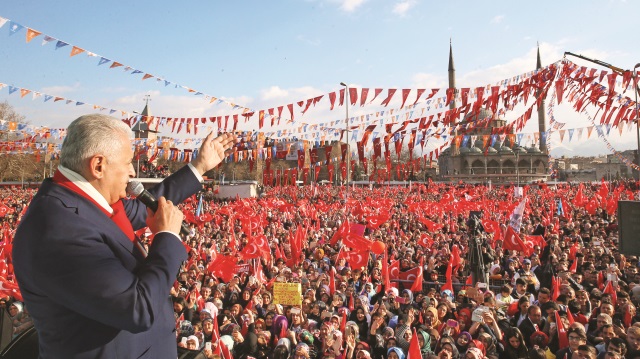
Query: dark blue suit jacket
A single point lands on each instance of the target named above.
(90, 292)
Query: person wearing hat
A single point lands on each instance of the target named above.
(527, 274)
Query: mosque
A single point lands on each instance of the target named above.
(503, 162)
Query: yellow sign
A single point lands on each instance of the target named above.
(287, 293)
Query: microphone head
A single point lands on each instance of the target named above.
(134, 188)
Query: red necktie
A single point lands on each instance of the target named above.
(119, 217)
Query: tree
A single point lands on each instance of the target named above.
(8, 113)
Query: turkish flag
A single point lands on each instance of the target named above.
(431, 225)
(357, 242)
(414, 347)
(604, 189)
(358, 259)
(373, 222)
(536, 240)
(563, 340)
(425, 241)
(417, 283)
(555, 287)
(385, 271)
(492, 227)
(448, 283)
(512, 241)
(579, 200)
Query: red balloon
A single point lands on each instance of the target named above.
(377, 247)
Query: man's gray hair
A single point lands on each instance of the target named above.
(90, 135)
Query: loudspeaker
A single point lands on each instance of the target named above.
(24, 346)
(629, 220)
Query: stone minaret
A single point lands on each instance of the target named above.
(542, 116)
(452, 85)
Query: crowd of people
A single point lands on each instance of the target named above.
(567, 292)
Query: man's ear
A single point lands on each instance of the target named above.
(96, 166)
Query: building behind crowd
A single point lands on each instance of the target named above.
(500, 159)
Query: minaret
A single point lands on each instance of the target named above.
(452, 85)
(542, 119)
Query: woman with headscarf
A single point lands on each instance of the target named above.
(360, 318)
(447, 343)
(464, 318)
(407, 295)
(424, 340)
(462, 342)
(489, 343)
(333, 343)
(474, 353)
(282, 349)
(395, 353)
(279, 328)
(430, 318)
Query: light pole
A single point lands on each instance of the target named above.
(635, 83)
(346, 124)
(518, 171)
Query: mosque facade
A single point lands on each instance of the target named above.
(479, 156)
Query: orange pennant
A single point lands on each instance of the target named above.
(32, 34)
(76, 50)
(24, 92)
(146, 76)
(115, 64)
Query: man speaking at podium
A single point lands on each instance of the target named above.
(91, 290)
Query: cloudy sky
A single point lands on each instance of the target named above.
(265, 54)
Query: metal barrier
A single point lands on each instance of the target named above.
(494, 284)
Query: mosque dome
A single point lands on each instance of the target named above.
(519, 149)
(464, 150)
(475, 150)
(505, 149)
(482, 114)
(533, 150)
(492, 150)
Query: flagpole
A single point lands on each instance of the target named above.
(346, 124)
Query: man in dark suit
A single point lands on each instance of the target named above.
(91, 289)
(532, 323)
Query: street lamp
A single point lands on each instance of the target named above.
(635, 82)
(346, 123)
(518, 171)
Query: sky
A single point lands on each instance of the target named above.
(265, 54)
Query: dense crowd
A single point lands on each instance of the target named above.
(566, 292)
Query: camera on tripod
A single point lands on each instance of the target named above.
(476, 267)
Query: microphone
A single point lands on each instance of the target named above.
(136, 189)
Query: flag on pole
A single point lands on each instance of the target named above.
(199, 208)
(516, 217)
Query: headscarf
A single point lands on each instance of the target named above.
(410, 295)
(337, 341)
(436, 322)
(491, 348)
(279, 327)
(477, 353)
(449, 340)
(426, 348)
(397, 350)
(478, 344)
(466, 322)
(302, 349)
